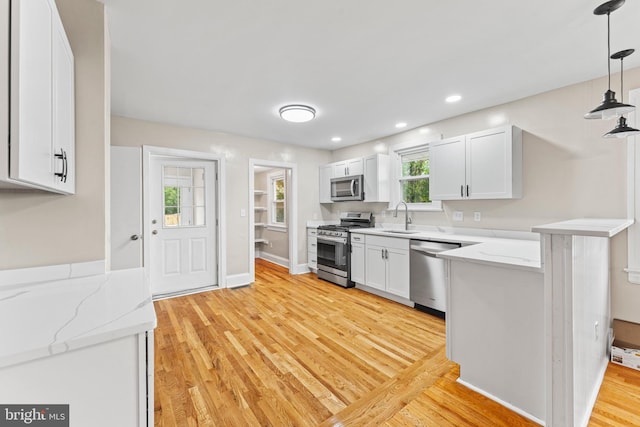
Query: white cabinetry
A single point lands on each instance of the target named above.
(325, 175)
(387, 264)
(481, 165)
(348, 167)
(375, 169)
(357, 258)
(312, 248)
(376, 178)
(41, 128)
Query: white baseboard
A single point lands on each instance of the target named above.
(274, 259)
(21, 276)
(386, 295)
(236, 280)
(501, 402)
(301, 269)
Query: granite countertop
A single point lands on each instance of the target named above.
(52, 317)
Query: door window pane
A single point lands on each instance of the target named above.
(184, 196)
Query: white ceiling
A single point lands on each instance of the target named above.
(363, 64)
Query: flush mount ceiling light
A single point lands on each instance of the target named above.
(336, 139)
(401, 125)
(621, 130)
(297, 113)
(453, 98)
(609, 107)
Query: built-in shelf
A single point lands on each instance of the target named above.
(260, 224)
(260, 208)
(265, 241)
(259, 192)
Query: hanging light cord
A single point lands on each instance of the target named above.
(621, 81)
(609, 47)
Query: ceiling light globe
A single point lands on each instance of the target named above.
(297, 113)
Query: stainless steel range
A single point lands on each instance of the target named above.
(334, 250)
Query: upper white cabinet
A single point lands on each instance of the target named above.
(374, 168)
(326, 173)
(376, 178)
(348, 167)
(481, 165)
(41, 128)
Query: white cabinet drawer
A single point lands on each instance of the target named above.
(312, 232)
(312, 244)
(357, 238)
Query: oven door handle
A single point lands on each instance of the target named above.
(332, 239)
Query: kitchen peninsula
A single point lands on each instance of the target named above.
(85, 340)
(528, 320)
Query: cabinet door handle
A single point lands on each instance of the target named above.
(462, 191)
(62, 156)
(382, 253)
(467, 190)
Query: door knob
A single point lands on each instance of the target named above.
(154, 232)
(135, 237)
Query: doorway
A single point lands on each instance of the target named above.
(182, 232)
(273, 214)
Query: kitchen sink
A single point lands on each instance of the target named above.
(400, 231)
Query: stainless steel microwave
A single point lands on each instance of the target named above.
(347, 188)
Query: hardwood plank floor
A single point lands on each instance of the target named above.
(298, 351)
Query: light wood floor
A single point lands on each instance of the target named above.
(298, 351)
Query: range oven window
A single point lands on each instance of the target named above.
(332, 253)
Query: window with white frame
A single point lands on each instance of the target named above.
(410, 176)
(277, 200)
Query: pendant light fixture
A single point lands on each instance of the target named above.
(609, 107)
(622, 130)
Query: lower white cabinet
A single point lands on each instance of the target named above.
(312, 248)
(357, 258)
(387, 264)
(106, 384)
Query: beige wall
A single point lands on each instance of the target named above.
(570, 171)
(38, 228)
(237, 151)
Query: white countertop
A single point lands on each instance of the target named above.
(517, 254)
(47, 318)
(597, 227)
(511, 249)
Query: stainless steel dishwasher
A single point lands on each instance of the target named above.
(428, 281)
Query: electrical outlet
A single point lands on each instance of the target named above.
(458, 216)
(315, 215)
(477, 216)
(243, 212)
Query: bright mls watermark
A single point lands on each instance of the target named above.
(34, 415)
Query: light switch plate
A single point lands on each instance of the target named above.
(458, 216)
(477, 216)
(243, 212)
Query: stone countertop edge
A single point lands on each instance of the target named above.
(595, 227)
(522, 254)
(49, 318)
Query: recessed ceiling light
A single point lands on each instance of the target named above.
(453, 98)
(401, 125)
(297, 113)
(336, 139)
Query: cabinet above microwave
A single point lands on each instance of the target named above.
(374, 170)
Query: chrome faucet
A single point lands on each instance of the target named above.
(407, 220)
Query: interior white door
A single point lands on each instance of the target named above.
(126, 207)
(182, 238)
